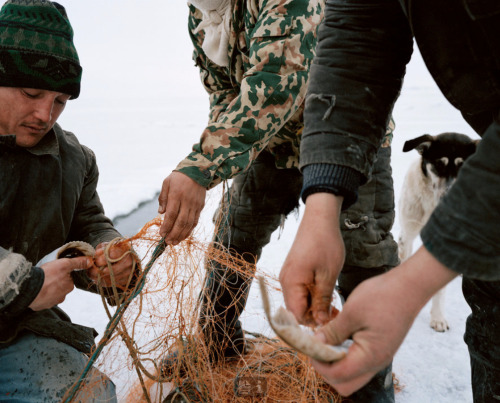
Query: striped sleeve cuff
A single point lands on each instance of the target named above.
(329, 178)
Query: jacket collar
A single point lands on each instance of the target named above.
(8, 140)
(49, 145)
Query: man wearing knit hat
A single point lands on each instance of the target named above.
(47, 198)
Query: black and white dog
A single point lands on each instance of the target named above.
(426, 181)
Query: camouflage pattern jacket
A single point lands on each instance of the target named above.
(256, 102)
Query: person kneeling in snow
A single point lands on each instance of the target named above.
(47, 197)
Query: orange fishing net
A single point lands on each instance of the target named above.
(163, 318)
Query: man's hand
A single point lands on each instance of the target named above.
(122, 269)
(58, 282)
(181, 199)
(377, 315)
(312, 266)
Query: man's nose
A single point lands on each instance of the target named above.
(43, 109)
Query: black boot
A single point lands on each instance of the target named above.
(222, 302)
(379, 390)
(188, 392)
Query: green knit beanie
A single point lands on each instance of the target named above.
(36, 47)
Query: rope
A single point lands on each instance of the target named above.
(111, 326)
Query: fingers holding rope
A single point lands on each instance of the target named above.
(116, 318)
(115, 264)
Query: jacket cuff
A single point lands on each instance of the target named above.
(337, 179)
(200, 169)
(14, 270)
(28, 291)
(201, 176)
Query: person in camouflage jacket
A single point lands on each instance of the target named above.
(256, 101)
(256, 73)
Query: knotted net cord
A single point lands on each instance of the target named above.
(160, 316)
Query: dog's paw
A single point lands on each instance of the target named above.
(440, 325)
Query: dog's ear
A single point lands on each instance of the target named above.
(421, 143)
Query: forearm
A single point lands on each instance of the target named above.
(230, 145)
(418, 279)
(355, 80)
(337, 179)
(90, 224)
(324, 206)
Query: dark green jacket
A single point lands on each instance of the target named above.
(47, 198)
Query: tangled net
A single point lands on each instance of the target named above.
(160, 316)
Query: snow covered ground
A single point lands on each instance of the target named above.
(141, 109)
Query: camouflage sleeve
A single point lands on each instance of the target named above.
(273, 86)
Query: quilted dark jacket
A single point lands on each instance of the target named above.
(47, 198)
(356, 76)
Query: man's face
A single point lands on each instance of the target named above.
(29, 113)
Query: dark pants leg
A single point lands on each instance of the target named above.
(370, 251)
(482, 335)
(251, 211)
(366, 228)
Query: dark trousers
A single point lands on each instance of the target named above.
(482, 335)
(366, 228)
(252, 209)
